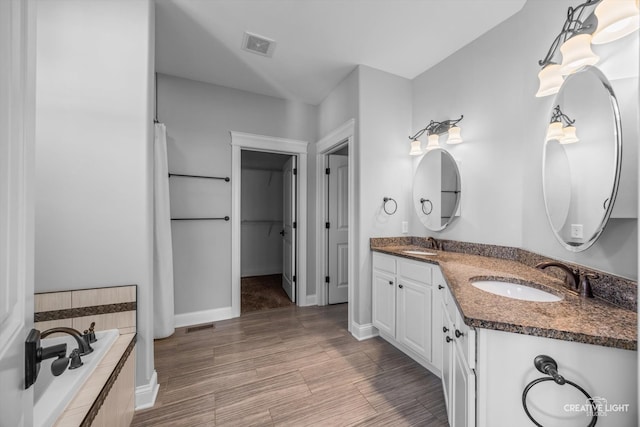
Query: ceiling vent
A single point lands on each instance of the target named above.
(257, 44)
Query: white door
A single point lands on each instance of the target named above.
(289, 228)
(384, 302)
(414, 317)
(447, 359)
(338, 208)
(17, 127)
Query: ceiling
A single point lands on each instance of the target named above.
(318, 42)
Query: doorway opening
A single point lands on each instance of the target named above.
(267, 228)
(338, 142)
(294, 214)
(336, 199)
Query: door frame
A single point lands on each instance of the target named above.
(268, 144)
(343, 135)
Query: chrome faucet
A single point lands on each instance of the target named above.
(435, 244)
(83, 345)
(574, 279)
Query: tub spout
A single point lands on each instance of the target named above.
(83, 345)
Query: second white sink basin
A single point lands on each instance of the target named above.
(515, 291)
(419, 253)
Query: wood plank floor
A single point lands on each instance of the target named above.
(289, 367)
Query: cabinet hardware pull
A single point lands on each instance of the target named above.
(458, 333)
(400, 286)
(448, 339)
(390, 282)
(440, 287)
(445, 329)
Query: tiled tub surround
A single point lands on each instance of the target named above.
(590, 321)
(108, 396)
(110, 308)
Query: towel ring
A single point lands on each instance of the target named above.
(422, 202)
(384, 205)
(547, 365)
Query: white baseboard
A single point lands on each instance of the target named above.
(308, 301)
(204, 316)
(363, 332)
(146, 394)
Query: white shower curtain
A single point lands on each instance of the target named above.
(163, 309)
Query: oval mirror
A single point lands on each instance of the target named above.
(436, 189)
(581, 159)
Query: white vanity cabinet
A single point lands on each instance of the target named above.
(458, 363)
(403, 301)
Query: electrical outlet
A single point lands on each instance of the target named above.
(405, 227)
(576, 231)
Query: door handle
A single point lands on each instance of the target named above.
(400, 286)
(458, 333)
(282, 233)
(391, 282)
(448, 339)
(440, 287)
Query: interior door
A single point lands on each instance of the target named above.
(338, 248)
(17, 127)
(289, 228)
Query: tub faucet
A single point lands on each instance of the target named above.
(83, 345)
(572, 277)
(435, 244)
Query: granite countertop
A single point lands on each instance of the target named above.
(585, 320)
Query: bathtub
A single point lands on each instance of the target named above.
(52, 394)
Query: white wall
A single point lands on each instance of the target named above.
(384, 168)
(492, 81)
(262, 197)
(93, 152)
(381, 104)
(199, 117)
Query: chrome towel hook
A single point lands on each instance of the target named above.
(384, 205)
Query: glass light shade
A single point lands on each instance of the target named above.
(555, 131)
(454, 135)
(569, 135)
(416, 150)
(550, 80)
(576, 53)
(433, 142)
(616, 19)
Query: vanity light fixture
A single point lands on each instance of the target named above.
(561, 128)
(434, 130)
(607, 21)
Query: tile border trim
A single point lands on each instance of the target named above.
(70, 313)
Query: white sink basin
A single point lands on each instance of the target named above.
(419, 253)
(515, 291)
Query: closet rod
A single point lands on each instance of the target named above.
(226, 218)
(226, 178)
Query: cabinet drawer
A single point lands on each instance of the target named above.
(384, 263)
(415, 270)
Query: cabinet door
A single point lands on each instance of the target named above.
(448, 347)
(439, 288)
(464, 390)
(384, 302)
(414, 317)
